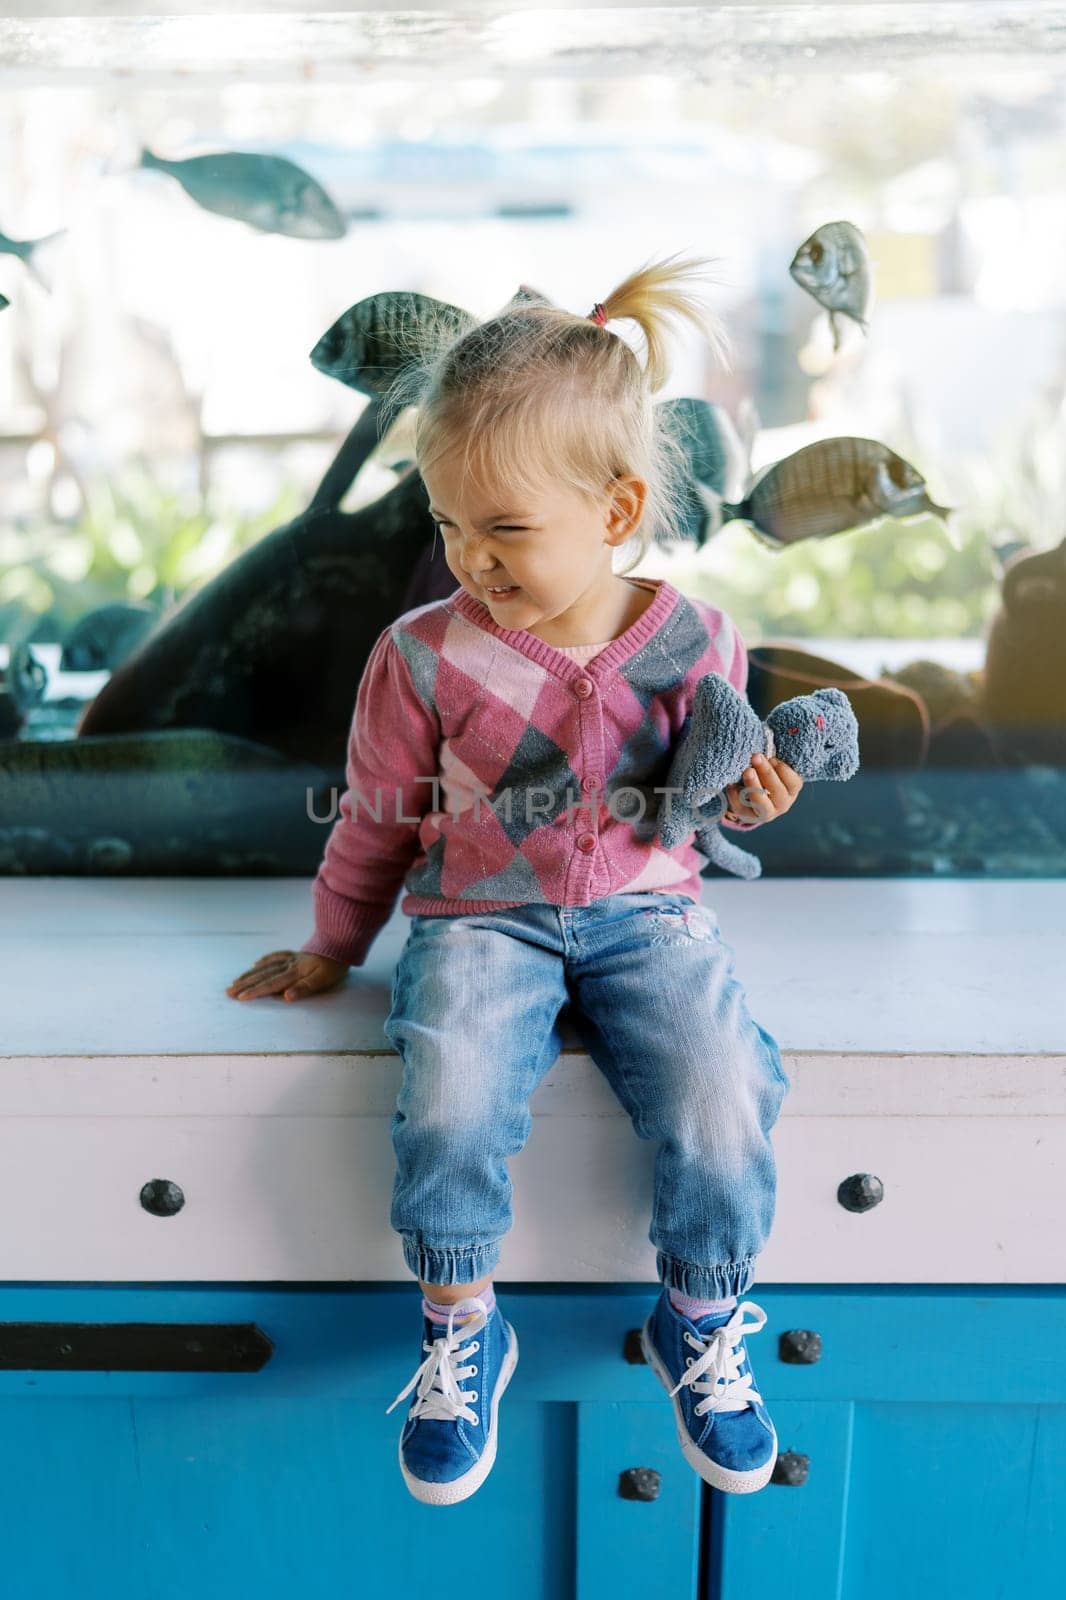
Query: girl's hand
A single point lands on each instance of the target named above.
(291, 973)
(767, 791)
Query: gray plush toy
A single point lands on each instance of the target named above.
(817, 734)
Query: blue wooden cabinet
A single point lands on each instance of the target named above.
(204, 1312)
(925, 1444)
(921, 1452)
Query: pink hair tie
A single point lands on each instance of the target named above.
(598, 314)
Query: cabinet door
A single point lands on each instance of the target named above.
(638, 1505)
(939, 1474)
(181, 1478)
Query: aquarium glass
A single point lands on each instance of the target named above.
(198, 545)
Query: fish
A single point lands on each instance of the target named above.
(269, 193)
(833, 266)
(1005, 553)
(26, 251)
(831, 486)
(718, 455)
(372, 342)
(719, 459)
(102, 638)
(524, 295)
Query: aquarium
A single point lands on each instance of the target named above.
(203, 529)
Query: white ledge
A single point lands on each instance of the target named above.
(921, 1022)
(845, 966)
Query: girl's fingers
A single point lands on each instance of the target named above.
(754, 790)
(258, 978)
(271, 955)
(267, 986)
(766, 775)
(260, 965)
(791, 779)
(284, 956)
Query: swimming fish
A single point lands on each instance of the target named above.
(371, 342)
(833, 265)
(26, 249)
(718, 455)
(266, 192)
(719, 461)
(102, 638)
(1005, 553)
(831, 486)
(524, 295)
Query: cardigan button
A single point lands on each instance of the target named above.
(583, 687)
(586, 841)
(591, 782)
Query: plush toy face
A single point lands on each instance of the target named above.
(817, 734)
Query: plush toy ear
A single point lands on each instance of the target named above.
(842, 764)
(834, 697)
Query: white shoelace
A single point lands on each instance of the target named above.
(718, 1362)
(439, 1395)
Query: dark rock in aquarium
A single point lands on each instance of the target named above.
(945, 690)
(1024, 692)
(272, 649)
(171, 801)
(893, 720)
(962, 740)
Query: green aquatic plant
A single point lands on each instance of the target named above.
(135, 539)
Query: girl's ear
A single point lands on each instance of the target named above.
(628, 495)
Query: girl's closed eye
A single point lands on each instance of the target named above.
(501, 528)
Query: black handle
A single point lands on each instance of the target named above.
(133, 1347)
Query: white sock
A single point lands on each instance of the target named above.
(438, 1313)
(692, 1307)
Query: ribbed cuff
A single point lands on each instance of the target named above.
(344, 929)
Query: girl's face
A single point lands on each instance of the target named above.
(550, 553)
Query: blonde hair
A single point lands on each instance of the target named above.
(538, 393)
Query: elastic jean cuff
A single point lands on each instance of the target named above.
(448, 1265)
(708, 1283)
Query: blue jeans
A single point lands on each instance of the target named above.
(649, 981)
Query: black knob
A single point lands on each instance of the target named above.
(800, 1347)
(631, 1348)
(639, 1483)
(791, 1469)
(162, 1198)
(861, 1192)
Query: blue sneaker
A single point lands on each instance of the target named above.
(723, 1427)
(448, 1443)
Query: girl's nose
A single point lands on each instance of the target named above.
(468, 559)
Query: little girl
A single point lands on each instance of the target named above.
(507, 755)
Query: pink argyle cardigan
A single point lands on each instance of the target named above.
(489, 769)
